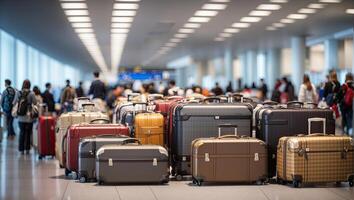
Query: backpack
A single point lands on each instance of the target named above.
(348, 96)
(8, 100)
(23, 103)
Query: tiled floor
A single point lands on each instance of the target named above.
(25, 177)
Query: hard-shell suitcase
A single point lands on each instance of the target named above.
(46, 136)
(127, 107)
(149, 128)
(315, 158)
(192, 121)
(88, 147)
(229, 158)
(78, 131)
(65, 121)
(274, 123)
(132, 163)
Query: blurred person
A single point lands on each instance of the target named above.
(127, 89)
(276, 91)
(67, 97)
(331, 89)
(7, 102)
(345, 99)
(79, 90)
(37, 93)
(25, 102)
(173, 90)
(48, 98)
(217, 90)
(97, 88)
(114, 96)
(161, 87)
(263, 89)
(288, 91)
(307, 92)
(151, 88)
(229, 87)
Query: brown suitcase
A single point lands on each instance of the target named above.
(229, 158)
(149, 128)
(315, 158)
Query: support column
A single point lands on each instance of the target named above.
(272, 66)
(243, 75)
(251, 67)
(228, 64)
(298, 55)
(331, 55)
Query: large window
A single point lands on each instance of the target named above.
(7, 55)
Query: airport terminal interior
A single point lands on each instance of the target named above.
(176, 99)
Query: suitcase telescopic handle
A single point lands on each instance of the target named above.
(210, 99)
(157, 96)
(83, 99)
(100, 121)
(311, 103)
(227, 126)
(292, 103)
(271, 103)
(131, 141)
(317, 119)
(132, 95)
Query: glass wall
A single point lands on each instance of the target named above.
(19, 61)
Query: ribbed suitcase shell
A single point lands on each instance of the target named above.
(315, 159)
(46, 136)
(132, 164)
(64, 122)
(149, 128)
(88, 147)
(78, 131)
(274, 123)
(192, 121)
(229, 159)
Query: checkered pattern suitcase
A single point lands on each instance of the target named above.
(315, 158)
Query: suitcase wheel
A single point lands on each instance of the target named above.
(74, 175)
(67, 172)
(82, 179)
(179, 177)
(40, 157)
(296, 184)
(197, 182)
(351, 183)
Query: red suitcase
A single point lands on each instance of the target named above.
(78, 131)
(46, 136)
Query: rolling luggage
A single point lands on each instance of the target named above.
(78, 131)
(65, 121)
(148, 128)
(274, 123)
(46, 136)
(229, 158)
(132, 163)
(124, 107)
(315, 158)
(88, 147)
(192, 121)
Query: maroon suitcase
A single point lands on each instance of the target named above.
(78, 131)
(46, 136)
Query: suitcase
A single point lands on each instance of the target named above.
(88, 147)
(132, 163)
(78, 131)
(148, 128)
(229, 158)
(192, 121)
(127, 106)
(46, 136)
(315, 158)
(274, 123)
(65, 121)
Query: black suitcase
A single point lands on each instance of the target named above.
(276, 122)
(192, 121)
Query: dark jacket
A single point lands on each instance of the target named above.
(98, 89)
(80, 92)
(48, 99)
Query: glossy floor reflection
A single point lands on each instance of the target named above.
(25, 177)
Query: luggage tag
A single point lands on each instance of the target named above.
(207, 158)
(256, 157)
(154, 162)
(110, 162)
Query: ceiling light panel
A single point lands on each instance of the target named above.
(269, 7)
(126, 6)
(181, 35)
(81, 25)
(350, 11)
(199, 19)
(271, 28)
(124, 13)
(278, 25)
(74, 5)
(287, 21)
(316, 5)
(175, 40)
(330, 1)
(128, 0)
(225, 35)
(192, 25)
(121, 25)
(213, 6)
(278, 1)
(76, 12)
(297, 16)
(186, 30)
(79, 19)
(231, 30)
(220, 1)
(260, 13)
(84, 30)
(250, 19)
(307, 10)
(219, 39)
(205, 13)
(170, 44)
(241, 25)
(122, 19)
(119, 30)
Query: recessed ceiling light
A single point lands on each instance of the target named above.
(250, 19)
(241, 25)
(175, 40)
(231, 30)
(128, 0)
(271, 28)
(205, 13)
(181, 35)
(316, 5)
(214, 6)
(260, 13)
(220, 1)
(76, 12)
(79, 19)
(186, 30)
(71, 0)
(307, 10)
(278, 25)
(287, 21)
(126, 6)
(297, 16)
(121, 25)
(199, 19)
(170, 44)
(84, 30)
(269, 7)
(225, 35)
(192, 25)
(122, 19)
(278, 1)
(330, 1)
(350, 11)
(87, 35)
(219, 39)
(165, 48)
(81, 25)
(119, 30)
(124, 13)
(74, 5)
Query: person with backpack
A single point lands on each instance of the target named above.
(67, 97)
(345, 96)
(26, 111)
(330, 93)
(7, 102)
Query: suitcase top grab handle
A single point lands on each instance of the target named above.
(83, 99)
(212, 99)
(227, 126)
(317, 119)
(100, 121)
(131, 141)
(132, 95)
